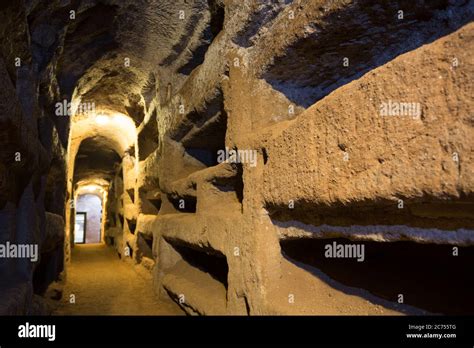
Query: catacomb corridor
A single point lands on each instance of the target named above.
(252, 157)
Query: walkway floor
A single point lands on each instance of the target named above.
(105, 285)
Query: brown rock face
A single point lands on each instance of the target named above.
(251, 157)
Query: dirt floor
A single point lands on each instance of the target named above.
(105, 285)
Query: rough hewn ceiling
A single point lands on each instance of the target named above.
(95, 159)
(107, 53)
(116, 54)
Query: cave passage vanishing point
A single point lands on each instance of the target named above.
(236, 157)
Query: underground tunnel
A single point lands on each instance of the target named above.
(197, 157)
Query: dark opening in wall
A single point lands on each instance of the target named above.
(239, 184)
(186, 204)
(120, 216)
(144, 245)
(217, 16)
(206, 157)
(352, 39)
(148, 138)
(130, 250)
(235, 183)
(265, 156)
(135, 109)
(202, 133)
(204, 142)
(131, 194)
(207, 260)
(132, 225)
(109, 240)
(427, 275)
(131, 151)
(151, 201)
(426, 212)
(156, 202)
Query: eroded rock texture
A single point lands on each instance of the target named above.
(352, 121)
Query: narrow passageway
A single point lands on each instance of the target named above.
(242, 157)
(104, 285)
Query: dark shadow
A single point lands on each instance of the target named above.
(424, 213)
(428, 275)
(369, 34)
(207, 260)
(185, 204)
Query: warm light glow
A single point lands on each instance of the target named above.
(90, 188)
(123, 121)
(119, 128)
(102, 119)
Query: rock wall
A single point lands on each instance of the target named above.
(233, 142)
(331, 163)
(32, 168)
